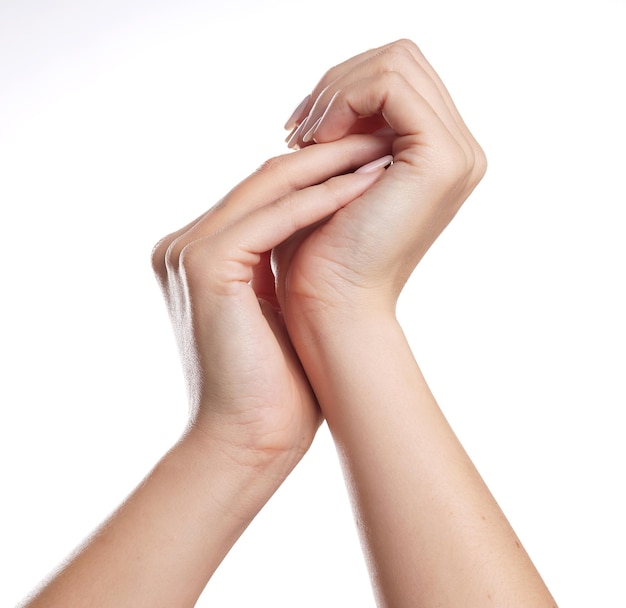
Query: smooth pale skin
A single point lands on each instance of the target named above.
(432, 533)
(252, 411)
(266, 354)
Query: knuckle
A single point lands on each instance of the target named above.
(203, 266)
(187, 261)
(406, 44)
(330, 76)
(398, 55)
(277, 167)
(158, 255)
(470, 161)
(276, 163)
(480, 163)
(281, 170)
(172, 255)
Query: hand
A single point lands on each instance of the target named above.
(363, 256)
(245, 383)
(432, 533)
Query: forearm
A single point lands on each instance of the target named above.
(163, 544)
(432, 532)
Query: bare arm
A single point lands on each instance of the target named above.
(163, 544)
(252, 411)
(432, 533)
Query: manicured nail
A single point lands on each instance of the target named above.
(290, 135)
(376, 165)
(297, 114)
(292, 140)
(308, 136)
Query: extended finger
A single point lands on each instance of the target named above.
(277, 178)
(233, 253)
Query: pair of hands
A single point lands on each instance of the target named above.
(275, 295)
(311, 239)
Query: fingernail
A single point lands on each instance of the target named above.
(297, 114)
(308, 136)
(376, 165)
(292, 140)
(290, 135)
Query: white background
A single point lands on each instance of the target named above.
(122, 120)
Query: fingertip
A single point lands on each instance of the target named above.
(294, 139)
(310, 134)
(376, 165)
(297, 114)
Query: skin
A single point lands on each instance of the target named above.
(276, 295)
(431, 531)
(253, 413)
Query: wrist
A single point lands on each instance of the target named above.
(251, 465)
(338, 328)
(351, 361)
